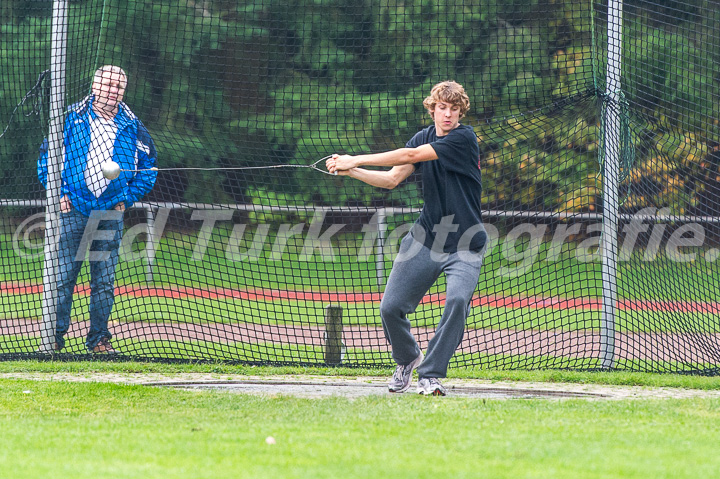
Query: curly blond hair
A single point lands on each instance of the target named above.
(448, 92)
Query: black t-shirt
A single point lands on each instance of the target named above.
(452, 189)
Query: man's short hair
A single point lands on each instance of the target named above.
(112, 69)
(448, 92)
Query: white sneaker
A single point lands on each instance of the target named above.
(402, 376)
(431, 387)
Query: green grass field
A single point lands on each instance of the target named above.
(55, 429)
(566, 277)
(231, 311)
(552, 273)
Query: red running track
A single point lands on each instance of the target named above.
(496, 301)
(679, 347)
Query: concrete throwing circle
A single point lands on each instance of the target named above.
(320, 386)
(311, 389)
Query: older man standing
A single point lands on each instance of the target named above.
(99, 128)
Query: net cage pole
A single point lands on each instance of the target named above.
(609, 246)
(58, 58)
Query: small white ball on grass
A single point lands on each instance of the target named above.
(110, 170)
(270, 440)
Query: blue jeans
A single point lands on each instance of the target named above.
(103, 236)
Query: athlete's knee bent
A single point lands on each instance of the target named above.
(390, 309)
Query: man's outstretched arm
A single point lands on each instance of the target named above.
(401, 156)
(388, 179)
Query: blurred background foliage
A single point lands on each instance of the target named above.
(263, 82)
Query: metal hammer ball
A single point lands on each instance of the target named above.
(110, 170)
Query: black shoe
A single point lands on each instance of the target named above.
(104, 347)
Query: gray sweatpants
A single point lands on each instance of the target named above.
(414, 271)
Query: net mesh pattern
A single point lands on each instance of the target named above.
(242, 251)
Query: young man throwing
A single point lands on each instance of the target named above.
(448, 237)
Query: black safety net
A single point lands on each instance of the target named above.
(599, 139)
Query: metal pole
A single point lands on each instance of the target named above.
(150, 243)
(609, 246)
(380, 247)
(58, 58)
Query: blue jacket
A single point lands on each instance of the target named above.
(133, 149)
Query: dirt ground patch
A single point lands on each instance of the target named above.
(353, 387)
